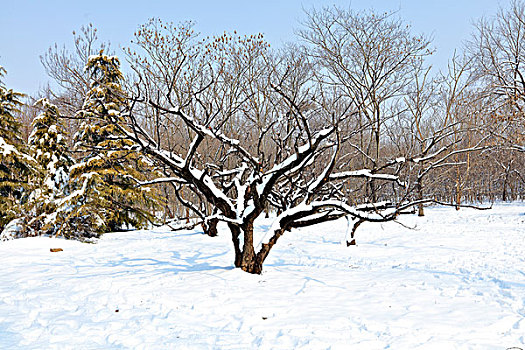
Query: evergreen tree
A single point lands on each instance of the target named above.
(49, 148)
(106, 197)
(15, 164)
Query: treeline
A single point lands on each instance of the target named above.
(349, 120)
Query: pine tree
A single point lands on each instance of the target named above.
(49, 148)
(15, 164)
(106, 197)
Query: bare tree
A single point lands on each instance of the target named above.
(443, 114)
(498, 51)
(260, 132)
(370, 58)
(66, 68)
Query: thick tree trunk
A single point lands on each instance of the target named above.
(265, 250)
(246, 259)
(248, 251)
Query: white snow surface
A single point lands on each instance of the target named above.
(456, 281)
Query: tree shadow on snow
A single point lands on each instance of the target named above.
(129, 266)
(195, 263)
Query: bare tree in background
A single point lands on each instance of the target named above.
(444, 117)
(66, 68)
(369, 58)
(498, 50)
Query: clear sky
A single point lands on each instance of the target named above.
(29, 27)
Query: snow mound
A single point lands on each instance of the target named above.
(12, 230)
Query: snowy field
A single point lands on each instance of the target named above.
(457, 281)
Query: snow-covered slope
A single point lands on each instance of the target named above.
(456, 281)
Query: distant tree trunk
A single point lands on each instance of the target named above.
(419, 189)
(212, 234)
(458, 187)
(373, 191)
(458, 198)
(505, 183)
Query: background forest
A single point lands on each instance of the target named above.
(348, 120)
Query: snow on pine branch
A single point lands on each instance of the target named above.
(7, 149)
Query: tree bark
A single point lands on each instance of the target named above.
(248, 251)
(246, 259)
(265, 250)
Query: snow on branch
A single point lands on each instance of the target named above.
(302, 154)
(203, 131)
(363, 173)
(321, 211)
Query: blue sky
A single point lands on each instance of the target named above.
(29, 28)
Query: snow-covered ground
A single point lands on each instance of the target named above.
(456, 281)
